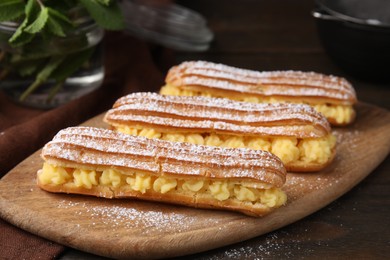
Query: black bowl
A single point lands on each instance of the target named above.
(358, 41)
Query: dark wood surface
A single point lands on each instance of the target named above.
(278, 35)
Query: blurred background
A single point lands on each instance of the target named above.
(272, 35)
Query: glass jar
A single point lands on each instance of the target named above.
(77, 58)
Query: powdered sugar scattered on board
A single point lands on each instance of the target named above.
(121, 217)
(274, 245)
(303, 183)
(349, 138)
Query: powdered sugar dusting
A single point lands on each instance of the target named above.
(193, 66)
(99, 147)
(349, 138)
(271, 90)
(129, 217)
(271, 77)
(219, 114)
(274, 245)
(282, 83)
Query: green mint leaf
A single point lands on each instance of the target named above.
(71, 64)
(55, 27)
(59, 16)
(105, 2)
(39, 23)
(20, 37)
(109, 17)
(31, 10)
(11, 9)
(58, 23)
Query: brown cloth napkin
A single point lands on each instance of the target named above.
(131, 66)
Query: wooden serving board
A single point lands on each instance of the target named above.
(136, 229)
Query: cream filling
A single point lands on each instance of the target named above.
(342, 114)
(142, 182)
(289, 150)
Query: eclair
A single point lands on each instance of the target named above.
(332, 96)
(296, 133)
(108, 164)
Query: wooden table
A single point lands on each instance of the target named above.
(280, 35)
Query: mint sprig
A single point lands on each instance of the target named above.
(41, 21)
(21, 37)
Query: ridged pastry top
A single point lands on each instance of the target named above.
(273, 83)
(219, 115)
(98, 149)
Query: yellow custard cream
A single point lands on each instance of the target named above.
(289, 150)
(342, 114)
(143, 182)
